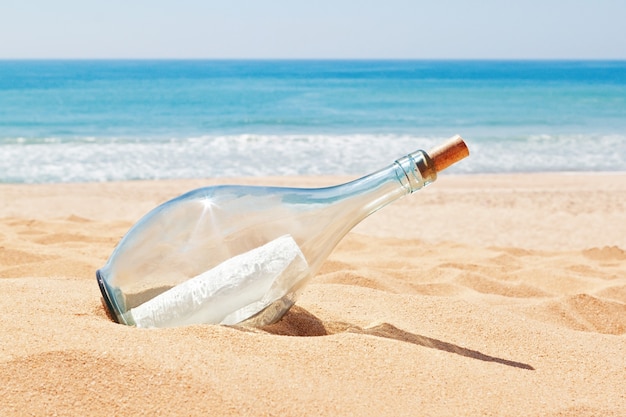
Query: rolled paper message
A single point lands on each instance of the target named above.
(265, 273)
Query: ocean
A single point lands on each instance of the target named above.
(109, 120)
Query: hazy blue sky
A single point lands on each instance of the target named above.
(313, 29)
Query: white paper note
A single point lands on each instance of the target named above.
(257, 277)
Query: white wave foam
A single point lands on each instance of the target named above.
(97, 159)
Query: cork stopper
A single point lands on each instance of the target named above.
(448, 153)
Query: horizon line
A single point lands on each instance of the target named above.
(292, 59)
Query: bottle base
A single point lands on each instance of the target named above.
(108, 304)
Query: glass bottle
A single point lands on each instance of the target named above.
(234, 254)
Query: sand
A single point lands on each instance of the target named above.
(480, 295)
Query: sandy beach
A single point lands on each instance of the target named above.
(481, 295)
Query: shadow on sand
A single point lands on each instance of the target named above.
(299, 322)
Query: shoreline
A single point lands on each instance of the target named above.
(477, 196)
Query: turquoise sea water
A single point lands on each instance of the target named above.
(63, 121)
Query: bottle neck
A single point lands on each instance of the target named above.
(415, 171)
(334, 211)
(405, 176)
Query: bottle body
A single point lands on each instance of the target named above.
(232, 229)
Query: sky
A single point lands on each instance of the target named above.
(314, 29)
